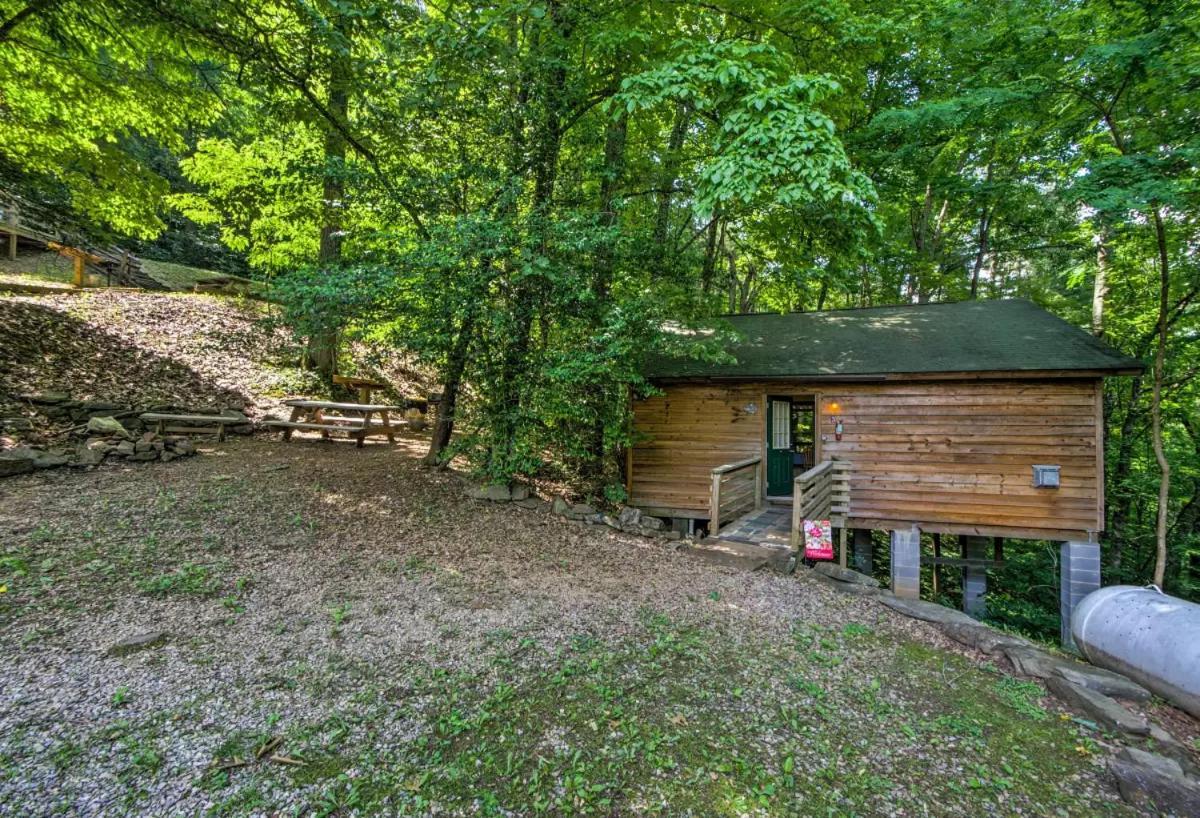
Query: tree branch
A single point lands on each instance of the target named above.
(34, 7)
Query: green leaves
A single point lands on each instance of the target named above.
(263, 195)
(530, 196)
(774, 147)
(75, 98)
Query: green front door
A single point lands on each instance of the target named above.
(779, 447)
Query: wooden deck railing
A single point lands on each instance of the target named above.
(821, 493)
(736, 488)
(21, 217)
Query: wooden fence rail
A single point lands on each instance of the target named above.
(821, 493)
(20, 217)
(736, 488)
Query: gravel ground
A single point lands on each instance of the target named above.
(292, 579)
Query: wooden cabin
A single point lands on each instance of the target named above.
(980, 419)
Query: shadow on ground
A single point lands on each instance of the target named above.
(48, 346)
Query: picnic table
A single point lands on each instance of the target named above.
(351, 418)
(363, 385)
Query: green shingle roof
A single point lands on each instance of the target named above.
(969, 336)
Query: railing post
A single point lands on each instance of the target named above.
(797, 515)
(758, 484)
(714, 506)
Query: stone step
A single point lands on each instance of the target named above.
(742, 556)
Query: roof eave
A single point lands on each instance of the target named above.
(1001, 374)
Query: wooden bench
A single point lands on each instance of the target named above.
(359, 431)
(289, 426)
(342, 419)
(217, 427)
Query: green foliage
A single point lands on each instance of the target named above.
(189, 578)
(264, 197)
(1023, 594)
(773, 146)
(1022, 696)
(76, 95)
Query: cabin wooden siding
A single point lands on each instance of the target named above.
(949, 456)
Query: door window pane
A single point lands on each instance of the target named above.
(781, 424)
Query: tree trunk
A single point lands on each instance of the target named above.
(456, 365)
(1100, 286)
(1160, 352)
(708, 271)
(666, 182)
(1121, 503)
(323, 343)
(985, 220)
(735, 290)
(610, 181)
(546, 145)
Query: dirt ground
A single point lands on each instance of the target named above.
(344, 632)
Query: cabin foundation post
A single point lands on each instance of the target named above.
(1079, 575)
(975, 576)
(906, 563)
(864, 562)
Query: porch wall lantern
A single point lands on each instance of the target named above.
(835, 408)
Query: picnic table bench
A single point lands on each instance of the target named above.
(312, 415)
(215, 424)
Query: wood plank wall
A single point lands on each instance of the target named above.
(689, 431)
(950, 456)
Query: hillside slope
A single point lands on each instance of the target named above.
(139, 349)
(144, 349)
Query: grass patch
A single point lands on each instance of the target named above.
(681, 720)
(190, 578)
(49, 267)
(45, 267)
(1022, 696)
(184, 277)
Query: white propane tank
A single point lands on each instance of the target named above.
(1145, 634)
